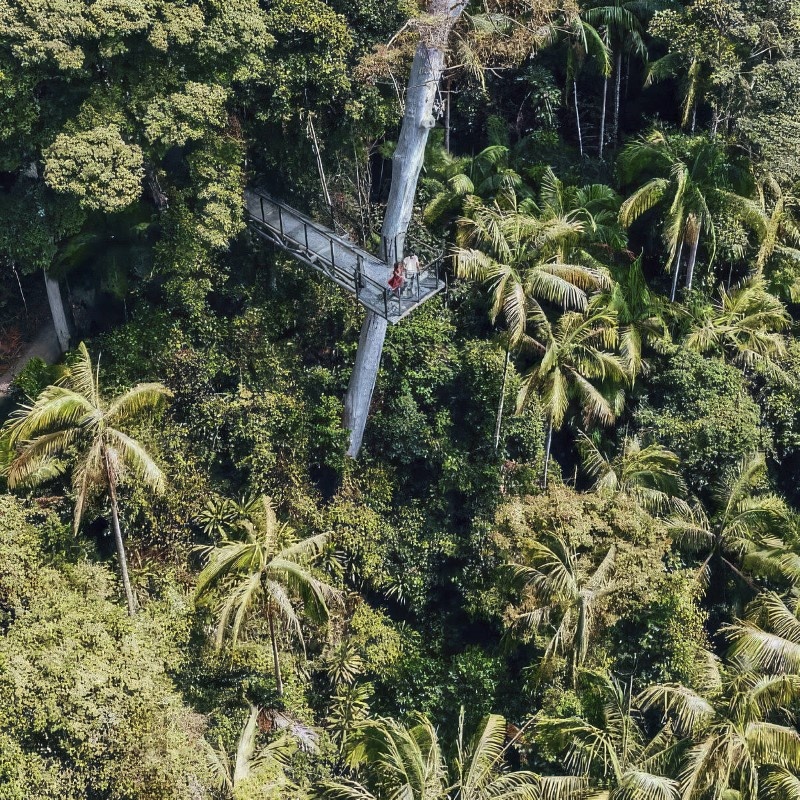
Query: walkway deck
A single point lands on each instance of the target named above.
(346, 264)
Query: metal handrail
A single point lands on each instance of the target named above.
(327, 234)
(355, 282)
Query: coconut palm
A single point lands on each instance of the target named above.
(685, 176)
(650, 474)
(561, 598)
(507, 246)
(238, 774)
(73, 421)
(573, 353)
(744, 323)
(392, 760)
(621, 25)
(267, 569)
(617, 751)
(744, 739)
(743, 527)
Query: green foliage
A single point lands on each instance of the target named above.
(34, 377)
(700, 409)
(186, 116)
(97, 166)
(87, 701)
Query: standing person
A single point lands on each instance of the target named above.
(398, 278)
(411, 265)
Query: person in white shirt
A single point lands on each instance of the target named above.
(411, 265)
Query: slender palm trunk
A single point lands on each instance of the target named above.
(57, 311)
(547, 447)
(133, 606)
(275, 661)
(617, 90)
(603, 118)
(692, 257)
(447, 101)
(577, 116)
(423, 83)
(499, 421)
(676, 268)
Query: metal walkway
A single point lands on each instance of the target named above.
(346, 264)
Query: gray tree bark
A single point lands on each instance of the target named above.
(58, 312)
(692, 258)
(603, 118)
(676, 268)
(275, 658)
(577, 116)
(130, 597)
(423, 83)
(547, 447)
(617, 87)
(499, 420)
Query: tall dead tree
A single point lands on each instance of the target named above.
(421, 92)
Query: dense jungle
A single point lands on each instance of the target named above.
(538, 539)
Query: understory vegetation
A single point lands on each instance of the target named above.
(565, 563)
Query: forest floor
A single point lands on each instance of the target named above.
(44, 345)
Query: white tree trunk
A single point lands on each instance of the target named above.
(676, 268)
(692, 259)
(603, 118)
(499, 420)
(577, 116)
(617, 86)
(423, 83)
(58, 311)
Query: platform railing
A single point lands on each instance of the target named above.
(355, 281)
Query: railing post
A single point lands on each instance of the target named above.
(333, 261)
(261, 200)
(280, 221)
(305, 233)
(358, 274)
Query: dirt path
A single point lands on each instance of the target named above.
(45, 346)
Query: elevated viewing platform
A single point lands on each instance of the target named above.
(346, 264)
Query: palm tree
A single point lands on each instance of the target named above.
(393, 760)
(492, 173)
(744, 324)
(771, 214)
(623, 30)
(595, 207)
(640, 316)
(744, 740)
(509, 247)
(769, 637)
(247, 765)
(685, 176)
(268, 568)
(650, 475)
(617, 749)
(583, 40)
(72, 420)
(743, 523)
(573, 353)
(559, 596)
